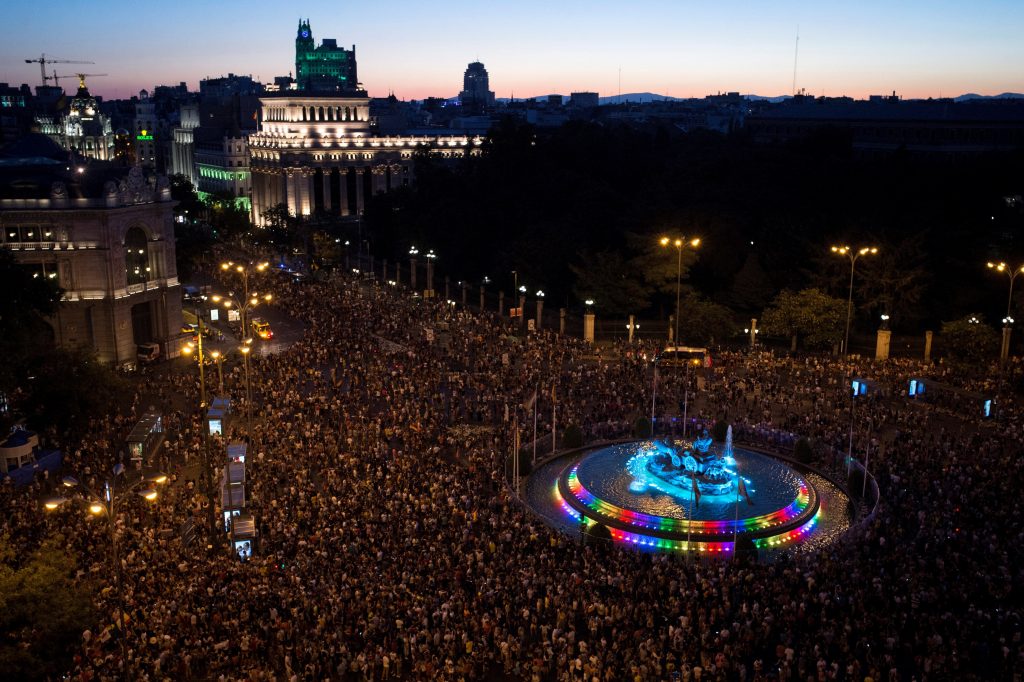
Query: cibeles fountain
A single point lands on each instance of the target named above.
(678, 468)
(681, 494)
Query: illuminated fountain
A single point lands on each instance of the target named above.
(687, 495)
(679, 468)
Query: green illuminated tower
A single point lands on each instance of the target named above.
(327, 68)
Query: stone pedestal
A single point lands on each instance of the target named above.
(882, 344)
(588, 327)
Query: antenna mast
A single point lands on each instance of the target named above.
(796, 55)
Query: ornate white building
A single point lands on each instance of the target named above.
(106, 237)
(318, 154)
(83, 128)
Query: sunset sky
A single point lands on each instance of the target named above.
(677, 47)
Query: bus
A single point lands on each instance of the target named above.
(683, 356)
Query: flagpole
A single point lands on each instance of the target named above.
(654, 395)
(535, 401)
(736, 520)
(554, 418)
(689, 522)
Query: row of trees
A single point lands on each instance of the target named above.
(578, 212)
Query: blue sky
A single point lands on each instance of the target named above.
(681, 47)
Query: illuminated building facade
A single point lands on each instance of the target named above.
(83, 128)
(320, 155)
(106, 236)
(327, 68)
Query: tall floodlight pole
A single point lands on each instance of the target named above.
(853, 255)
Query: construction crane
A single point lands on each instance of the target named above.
(42, 60)
(81, 78)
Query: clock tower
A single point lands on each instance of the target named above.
(305, 48)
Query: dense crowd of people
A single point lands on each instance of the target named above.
(392, 547)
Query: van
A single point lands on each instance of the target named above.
(148, 353)
(261, 328)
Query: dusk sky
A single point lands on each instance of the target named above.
(531, 47)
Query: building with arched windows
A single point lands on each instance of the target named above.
(105, 235)
(318, 150)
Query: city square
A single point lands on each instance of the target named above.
(308, 384)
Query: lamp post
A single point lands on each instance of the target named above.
(1008, 320)
(413, 252)
(540, 307)
(208, 462)
(244, 349)
(853, 255)
(106, 503)
(430, 256)
(250, 299)
(678, 243)
(216, 355)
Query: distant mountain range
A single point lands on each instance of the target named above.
(646, 97)
(1005, 95)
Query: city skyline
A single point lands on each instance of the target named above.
(918, 50)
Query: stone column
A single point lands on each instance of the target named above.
(481, 298)
(359, 191)
(671, 328)
(1004, 352)
(412, 274)
(753, 332)
(540, 312)
(343, 190)
(561, 321)
(630, 327)
(501, 303)
(522, 311)
(289, 193)
(882, 344)
(325, 183)
(465, 290)
(928, 346)
(447, 288)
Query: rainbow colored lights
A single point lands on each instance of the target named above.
(772, 530)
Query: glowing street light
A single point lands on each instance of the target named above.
(853, 255)
(678, 243)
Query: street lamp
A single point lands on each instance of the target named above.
(106, 503)
(1008, 320)
(216, 355)
(249, 299)
(243, 305)
(430, 256)
(244, 349)
(678, 243)
(853, 255)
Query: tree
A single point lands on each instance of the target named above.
(968, 341)
(68, 387)
(810, 314)
(43, 610)
(607, 278)
(26, 303)
(751, 288)
(895, 279)
(702, 322)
